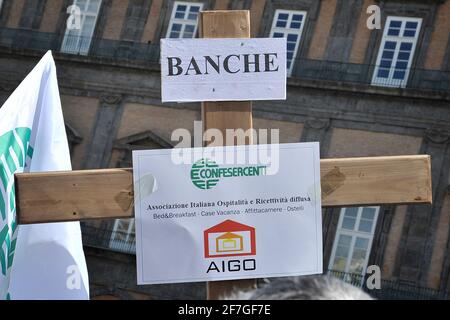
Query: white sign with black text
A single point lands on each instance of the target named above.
(223, 69)
(223, 213)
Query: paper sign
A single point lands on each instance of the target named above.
(224, 213)
(223, 69)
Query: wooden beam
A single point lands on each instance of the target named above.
(226, 115)
(108, 193)
(229, 114)
(74, 195)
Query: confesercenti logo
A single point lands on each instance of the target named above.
(205, 173)
(229, 238)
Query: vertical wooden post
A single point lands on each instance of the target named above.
(226, 115)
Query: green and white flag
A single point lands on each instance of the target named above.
(43, 261)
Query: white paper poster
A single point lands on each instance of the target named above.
(224, 213)
(223, 69)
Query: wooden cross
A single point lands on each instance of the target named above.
(108, 193)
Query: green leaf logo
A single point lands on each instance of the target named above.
(200, 177)
(15, 155)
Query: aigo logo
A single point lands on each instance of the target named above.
(230, 239)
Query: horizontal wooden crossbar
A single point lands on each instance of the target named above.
(108, 193)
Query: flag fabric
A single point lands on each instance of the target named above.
(41, 261)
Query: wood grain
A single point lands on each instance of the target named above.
(74, 195)
(108, 193)
(376, 180)
(226, 115)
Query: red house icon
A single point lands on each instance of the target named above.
(229, 238)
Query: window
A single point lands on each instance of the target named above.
(136, 17)
(73, 138)
(396, 51)
(78, 41)
(183, 22)
(123, 236)
(289, 24)
(351, 248)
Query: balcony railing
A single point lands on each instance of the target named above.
(108, 239)
(390, 290)
(353, 73)
(129, 51)
(142, 53)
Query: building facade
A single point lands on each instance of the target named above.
(358, 89)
